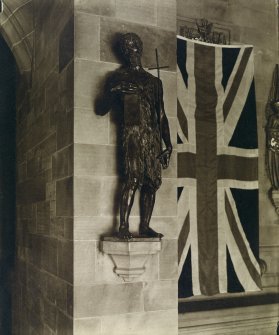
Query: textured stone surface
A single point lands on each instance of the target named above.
(17, 24)
(64, 129)
(65, 324)
(50, 316)
(65, 260)
(168, 259)
(87, 326)
(149, 323)
(64, 195)
(88, 124)
(66, 44)
(93, 227)
(166, 290)
(49, 255)
(143, 11)
(24, 15)
(90, 77)
(92, 194)
(95, 160)
(96, 300)
(62, 163)
(87, 36)
(56, 291)
(31, 190)
(84, 263)
(98, 7)
(166, 11)
(43, 218)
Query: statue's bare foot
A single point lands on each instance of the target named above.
(149, 232)
(124, 233)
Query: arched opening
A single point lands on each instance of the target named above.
(8, 72)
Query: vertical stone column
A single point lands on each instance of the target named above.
(44, 243)
(103, 303)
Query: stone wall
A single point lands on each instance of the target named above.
(252, 22)
(7, 181)
(44, 265)
(103, 303)
(16, 26)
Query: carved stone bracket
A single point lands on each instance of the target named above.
(130, 257)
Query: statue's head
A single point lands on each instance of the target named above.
(275, 105)
(131, 46)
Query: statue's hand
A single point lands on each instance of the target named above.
(164, 157)
(126, 88)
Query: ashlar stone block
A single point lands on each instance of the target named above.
(96, 300)
(65, 260)
(87, 36)
(87, 326)
(64, 196)
(96, 160)
(90, 128)
(84, 262)
(143, 11)
(166, 14)
(97, 7)
(166, 290)
(96, 196)
(148, 323)
(93, 227)
(64, 324)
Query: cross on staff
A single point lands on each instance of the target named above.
(157, 67)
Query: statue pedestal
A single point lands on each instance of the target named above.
(130, 257)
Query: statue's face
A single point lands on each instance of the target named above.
(131, 47)
(275, 106)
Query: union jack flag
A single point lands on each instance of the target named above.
(217, 168)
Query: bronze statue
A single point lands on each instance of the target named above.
(273, 145)
(144, 126)
(272, 138)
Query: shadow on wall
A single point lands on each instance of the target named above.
(7, 182)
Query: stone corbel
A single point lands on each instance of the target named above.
(130, 257)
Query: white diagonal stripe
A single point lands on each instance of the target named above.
(235, 213)
(193, 234)
(241, 184)
(233, 151)
(222, 250)
(238, 102)
(234, 71)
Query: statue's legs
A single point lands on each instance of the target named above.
(147, 201)
(126, 204)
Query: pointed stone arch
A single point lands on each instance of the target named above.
(17, 28)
